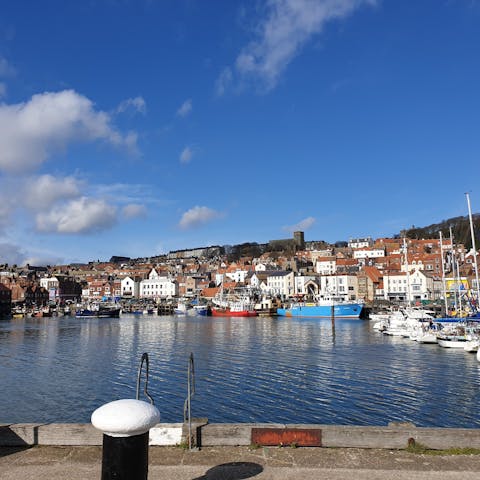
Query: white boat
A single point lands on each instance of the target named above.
(427, 336)
(472, 345)
(182, 309)
(452, 341)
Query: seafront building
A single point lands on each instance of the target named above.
(362, 269)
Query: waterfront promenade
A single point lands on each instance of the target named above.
(235, 463)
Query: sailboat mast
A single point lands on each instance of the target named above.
(453, 270)
(407, 270)
(472, 233)
(443, 275)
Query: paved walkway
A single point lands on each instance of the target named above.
(235, 463)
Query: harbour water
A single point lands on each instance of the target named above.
(281, 370)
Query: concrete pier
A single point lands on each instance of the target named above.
(392, 436)
(234, 463)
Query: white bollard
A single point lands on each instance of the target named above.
(125, 425)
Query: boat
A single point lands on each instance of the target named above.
(452, 336)
(98, 311)
(203, 310)
(106, 312)
(234, 304)
(42, 312)
(472, 344)
(182, 309)
(452, 341)
(323, 309)
(234, 311)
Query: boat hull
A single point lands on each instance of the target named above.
(452, 342)
(102, 313)
(348, 310)
(226, 312)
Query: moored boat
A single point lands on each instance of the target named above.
(203, 310)
(98, 312)
(323, 309)
(237, 304)
(232, 312)
(452, 341)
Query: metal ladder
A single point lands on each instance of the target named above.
(187, 408)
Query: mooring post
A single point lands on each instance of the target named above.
(332, 314)
(125, 425)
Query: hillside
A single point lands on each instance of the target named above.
(460, 230)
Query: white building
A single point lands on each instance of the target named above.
(369, 253)
(343, 286)
(52, 285)
(326, 265)
(238, 275)
(412, 287)
(360, 242)
(259, 281)
(157, 287)
(260, 267)
(281, 283)
(129, 288)
(305, 285)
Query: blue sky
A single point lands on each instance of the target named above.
(136, 127)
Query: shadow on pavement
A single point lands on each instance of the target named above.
(4, 451)
(232, 471)
(11, 443)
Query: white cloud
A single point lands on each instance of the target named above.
(287, 26)
(301, 226)
(11, 254)
(83, 215)
(186, 155)
(185, 109)
(134, 210)
(6, 70)
(31, 131)
(137, 104)
(223, 81)
(197, 216)
(41, 192)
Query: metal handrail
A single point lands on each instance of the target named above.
(187, 408)
(145, 389)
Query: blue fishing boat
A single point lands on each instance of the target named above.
(323, 309)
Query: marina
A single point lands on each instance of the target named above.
(258, 369)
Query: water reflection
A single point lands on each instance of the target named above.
(254, 369)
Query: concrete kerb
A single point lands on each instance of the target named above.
(393, 436)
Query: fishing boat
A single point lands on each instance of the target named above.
(323, 309)
(240, 310)
(182, 308)
(233, 304)
(203, 310)
(98, 311)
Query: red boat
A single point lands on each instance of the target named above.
(228, 312)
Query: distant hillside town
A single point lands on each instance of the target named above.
(372, 270)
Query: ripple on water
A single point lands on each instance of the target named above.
(247, 370)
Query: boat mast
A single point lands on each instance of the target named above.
(407, 270)
(443, 276)
(454, 275)
(472, 233)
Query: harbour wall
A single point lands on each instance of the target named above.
(393, 436)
